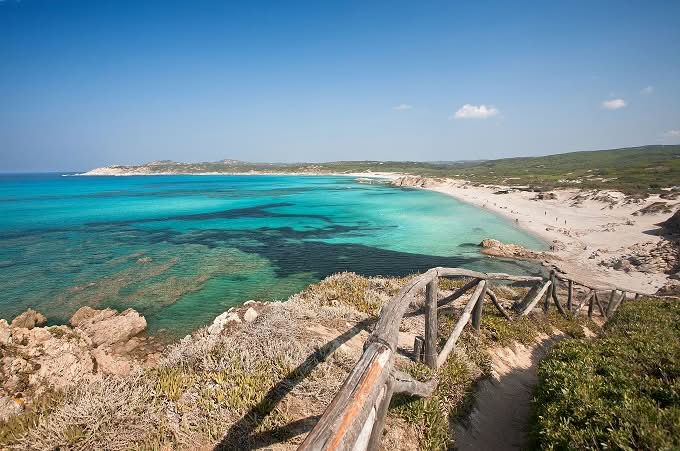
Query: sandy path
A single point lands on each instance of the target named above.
(500, 416)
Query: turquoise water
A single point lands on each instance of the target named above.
(182, 249)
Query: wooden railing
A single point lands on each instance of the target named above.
(355, 418)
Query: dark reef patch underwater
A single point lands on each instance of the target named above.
(183, 249)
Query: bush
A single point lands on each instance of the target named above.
(621, 391)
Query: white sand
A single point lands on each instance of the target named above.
(577, 231)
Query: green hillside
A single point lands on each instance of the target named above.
(634, 170)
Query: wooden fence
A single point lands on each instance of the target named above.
(355, 418)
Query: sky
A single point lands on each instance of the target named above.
(92, 83)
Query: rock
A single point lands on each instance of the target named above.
(496, 248)
(672, 224)
(250, 315)
(671, 288)
(4, 332)
(413, 181)
(29, 319)
(88, 315)
(63, 362)
(222, 320)
(9, 407)
(545, 196)
(112, 363)
(675, 276)
(107, 327)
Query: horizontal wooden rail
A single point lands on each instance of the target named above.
(355, 418)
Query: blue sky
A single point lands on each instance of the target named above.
(90, 83)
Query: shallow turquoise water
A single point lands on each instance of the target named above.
(182, 249)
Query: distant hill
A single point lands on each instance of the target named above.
(632, 170)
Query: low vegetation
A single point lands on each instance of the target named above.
(635, 170)
(620, 391)
(266, 381)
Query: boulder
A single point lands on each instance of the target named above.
(29, 319)
(88, 315)
(9, 407)
(107, 327)
(110, 363)
(250, 315)
(671, 288)
(222, 321)
(497, 249)
(4, 332)
(672, 224)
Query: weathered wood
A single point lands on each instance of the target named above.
(557, 302)
(380, 415)
(570, 294)
(404, 383)
(617, 303)
(611, 304)
(354, 406)
(592, 304)
(452, 272)
(537, 298)
(462, 321)
(387, 328)
(458, 293)
(520, 306)
(498, 305)
(637, 296)
(418, 346)
(430, 355)
(548, 295)
(599, 306)
(585, 300)
(477, 311)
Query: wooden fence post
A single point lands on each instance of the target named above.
(430, 354)
(612, 303)
(570, 295)
(591, 306)
(418, 346)
(549, 294)
(477, 312)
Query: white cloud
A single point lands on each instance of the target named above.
(613, 104)
(647, 90)
(402, 107)
(673, 133)
(468, 111)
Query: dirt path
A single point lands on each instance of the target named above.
(499, 419)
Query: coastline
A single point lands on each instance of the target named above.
(586, 229)
(583, 229)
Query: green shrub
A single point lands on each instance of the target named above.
(621, 391)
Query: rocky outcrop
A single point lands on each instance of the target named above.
(497, 249)
(671, 288)
(33, 359)
(650, 257)
(413, 181)
(29, 319)
(672, 224)
(235, 316)
(108, 327)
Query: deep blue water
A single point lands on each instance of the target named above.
(182, 249)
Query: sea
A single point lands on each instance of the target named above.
(182, 249)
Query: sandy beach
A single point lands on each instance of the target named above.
(583, 227)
